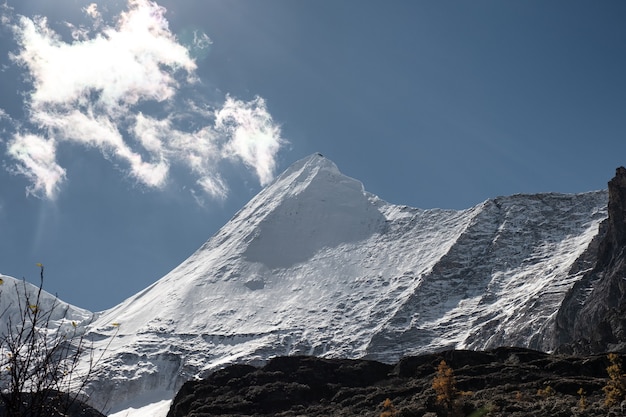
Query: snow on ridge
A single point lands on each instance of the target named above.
(502, 281)
(336, 210)
(264, 233)
(12, 295)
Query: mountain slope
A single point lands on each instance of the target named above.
(315, 265)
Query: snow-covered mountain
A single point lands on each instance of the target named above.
(316, 265)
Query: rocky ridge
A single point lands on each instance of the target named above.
(592, 317)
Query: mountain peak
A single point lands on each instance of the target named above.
(308, 165)
(311, 206)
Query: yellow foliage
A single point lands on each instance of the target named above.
(388, 409)
(615, 388)
(582, 402)
(444, 385)
(546, 392)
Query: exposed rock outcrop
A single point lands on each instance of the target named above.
(505, 381)
(592, 317)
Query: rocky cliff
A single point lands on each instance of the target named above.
(592, 317)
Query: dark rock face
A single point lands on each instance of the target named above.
(505, 380)
(592, 317)
(616, 238)
(284, 383)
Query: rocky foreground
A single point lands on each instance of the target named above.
(501, 382)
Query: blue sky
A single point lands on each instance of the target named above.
(131, 131)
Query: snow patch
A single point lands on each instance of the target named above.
(158, 408)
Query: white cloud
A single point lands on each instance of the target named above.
(214, 186)
(255, 138)
(102, 133)
(123, 65)
(5, 14)
(200, 151)
(92, 11)
(37, 162)
(90, 91)
(201, 40)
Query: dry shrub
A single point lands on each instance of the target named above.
(389, 410)
(615, 387)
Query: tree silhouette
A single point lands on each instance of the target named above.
(40, 353)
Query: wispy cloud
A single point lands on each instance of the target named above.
(92, 11)
(93, 91)
(253, 134)
(37, 157)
